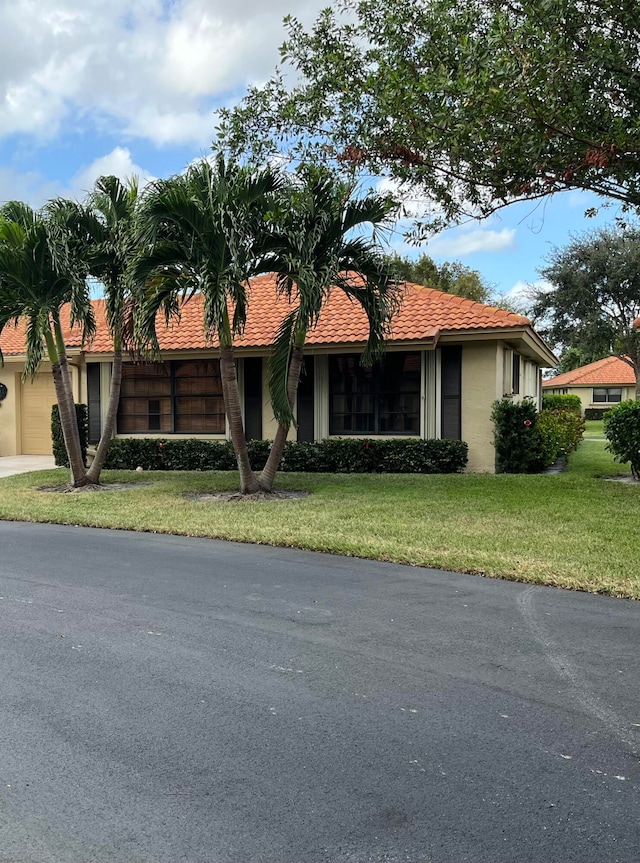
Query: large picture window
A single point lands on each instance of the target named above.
(182, 397)
(382, 399)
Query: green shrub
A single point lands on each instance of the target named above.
(513, 434)
(558, 402)
(59, 450)
(527, 441)
(335, 455)
(545, 442)
(556, 434)
(595, 413)
(622, 430)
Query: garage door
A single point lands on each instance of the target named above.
(37, 398)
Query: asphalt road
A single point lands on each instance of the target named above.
(165, 699)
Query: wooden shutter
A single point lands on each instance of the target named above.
(93, 401)
(253, 398)
(451, 393)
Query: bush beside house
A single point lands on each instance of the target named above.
(622, 430)
(528, 441)
(595, 413)
(326, 456)
(59, 450)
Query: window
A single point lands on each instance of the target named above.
(182, 397)
(607, 394)
(381, 399)
(515, 374)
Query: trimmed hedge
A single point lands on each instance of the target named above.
(513, 434)
(622, 430)
(57, 438)
(556, 434)
(595, 413)
(337, 455)
(558, 402)
(528, 441)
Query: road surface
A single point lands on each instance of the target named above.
(166, 699)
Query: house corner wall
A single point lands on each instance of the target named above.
(10, 410)
(481, 386)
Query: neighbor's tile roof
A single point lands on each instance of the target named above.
(611, 371)
(424, 314)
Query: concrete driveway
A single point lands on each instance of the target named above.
(13, 464)
(175, 700)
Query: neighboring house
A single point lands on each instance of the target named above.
(448, 359)
(599, 385)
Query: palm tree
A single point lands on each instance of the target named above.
(199, 235)
(104, 232)
(316, 246)
(38, 276)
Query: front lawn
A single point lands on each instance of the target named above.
(593, 429)
(572, 530)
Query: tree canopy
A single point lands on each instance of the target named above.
(451, 277)
(40, 273)
(478, 103)
(595, 296)
(324, 238)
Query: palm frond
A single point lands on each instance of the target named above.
(278, 368)
(35, 329)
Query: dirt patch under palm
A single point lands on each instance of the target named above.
(67, 488)
(237, 497)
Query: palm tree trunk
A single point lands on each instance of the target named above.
(248, 481)
(68, 419)
(93, 474)
(62, 356)
(61, 349)
(268, 474)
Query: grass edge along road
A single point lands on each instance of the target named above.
(573, 530)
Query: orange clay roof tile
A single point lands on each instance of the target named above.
(611, 371)
(423, 315)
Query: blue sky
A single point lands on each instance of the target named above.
(90, 87)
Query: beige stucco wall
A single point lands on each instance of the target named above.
(269, 422)
(482, 382)
(10, 410)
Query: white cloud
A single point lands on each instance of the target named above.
(460, 242)
(30, 187)
(118, 162)
(151, 69)
(414, 202)
(524, 290)
(538, 285)
(35, 189)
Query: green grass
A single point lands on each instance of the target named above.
(573, 530)
(593, 429)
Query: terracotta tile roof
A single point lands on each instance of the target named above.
(424, 314)
(611, 371)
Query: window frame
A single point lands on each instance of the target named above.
(377, 395)
(515, 373)
(173, 397)
(607, 391)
